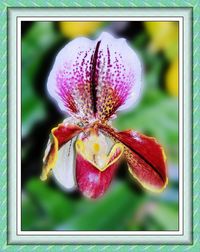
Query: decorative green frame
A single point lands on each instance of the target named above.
(7, 93)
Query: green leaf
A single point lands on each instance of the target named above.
(167, 216)
(155, 216)
(111, 212)
(37, 42)
(44, 207)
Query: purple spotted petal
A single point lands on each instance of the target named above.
(93, 79)
(69, 80)
(118, 76)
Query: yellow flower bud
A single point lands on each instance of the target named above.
(172, 78)
(75, 29)
(164, 36)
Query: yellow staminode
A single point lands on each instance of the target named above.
(94, 149)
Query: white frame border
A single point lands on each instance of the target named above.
(183, 235)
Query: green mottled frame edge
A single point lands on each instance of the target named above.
(16, 237)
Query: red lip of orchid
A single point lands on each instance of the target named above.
(91, 81)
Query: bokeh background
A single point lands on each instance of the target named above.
(126, 206)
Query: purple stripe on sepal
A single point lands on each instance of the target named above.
(94, 78)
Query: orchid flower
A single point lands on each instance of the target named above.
(91, 81)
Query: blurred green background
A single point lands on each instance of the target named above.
(126, 206)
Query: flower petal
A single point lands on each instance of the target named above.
(92, 79)
(64, 169)
(58, 137)
(145, 157)
(91, 181)
(118, 76)
(69, 80)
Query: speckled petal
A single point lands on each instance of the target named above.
(118, 76)
(145, 157)
(93, 79)
(69, 80)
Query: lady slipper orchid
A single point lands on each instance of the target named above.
(91, 81)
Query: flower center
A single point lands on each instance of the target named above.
(97, 149)
(94, 148)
